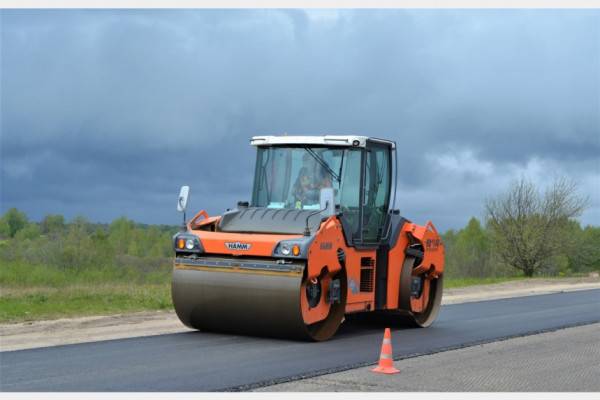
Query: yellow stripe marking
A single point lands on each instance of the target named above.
(237, 270)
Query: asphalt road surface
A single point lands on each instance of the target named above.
(195, 361)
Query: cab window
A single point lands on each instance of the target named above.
(376, 191)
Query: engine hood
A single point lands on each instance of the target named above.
(269, 220)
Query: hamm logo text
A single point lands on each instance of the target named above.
(238, 246)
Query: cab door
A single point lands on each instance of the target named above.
(368, 187)
(376, 192)
(377, 178)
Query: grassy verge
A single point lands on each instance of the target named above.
(463, 282)
(29, 293)
(39, 303)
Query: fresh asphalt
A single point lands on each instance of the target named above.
(198, 361)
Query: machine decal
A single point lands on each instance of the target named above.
(326, 246)
(238, 246)
(432, 244)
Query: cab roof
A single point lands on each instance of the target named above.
(326, 140)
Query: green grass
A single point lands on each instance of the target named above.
(463, 282)
(26, 304)
(16, 274)
(36, 292)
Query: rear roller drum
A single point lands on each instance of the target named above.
(420, 295)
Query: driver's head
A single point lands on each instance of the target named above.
(305, 180)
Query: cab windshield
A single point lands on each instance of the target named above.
(292, 177)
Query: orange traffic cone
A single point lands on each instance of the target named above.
(386, 360)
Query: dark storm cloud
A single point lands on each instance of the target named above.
(106, 113)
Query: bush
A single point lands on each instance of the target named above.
(15, 220)
(55, 251)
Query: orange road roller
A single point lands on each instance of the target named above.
(318, 240)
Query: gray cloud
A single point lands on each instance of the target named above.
(105, 113)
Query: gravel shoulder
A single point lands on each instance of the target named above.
(89, 329)
(535, 363)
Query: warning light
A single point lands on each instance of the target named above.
(296, 250)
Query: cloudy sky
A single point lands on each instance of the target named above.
(106, 113)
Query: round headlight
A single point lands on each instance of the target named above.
(189, 244)
(285, 249)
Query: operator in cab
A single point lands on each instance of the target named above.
(312, 177)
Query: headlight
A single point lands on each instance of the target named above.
(187, 243)
(288, 249)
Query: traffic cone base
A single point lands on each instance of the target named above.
(386, 360)
(386, 370)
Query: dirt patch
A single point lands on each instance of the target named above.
(89, 329)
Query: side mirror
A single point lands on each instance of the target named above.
(327, 200)
(183, 198)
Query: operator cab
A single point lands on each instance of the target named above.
(291, 171)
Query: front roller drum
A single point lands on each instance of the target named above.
(249, 301)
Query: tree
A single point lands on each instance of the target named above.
(472, 246)
(77, 251)
(120, 234)
(468, 251)
(527, 227)
(4, 228)
(16, 221)
(585, 249)
(53, 224)
(30, 231)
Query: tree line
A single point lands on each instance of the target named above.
(82, 245)
(472, 252)
(523, 232)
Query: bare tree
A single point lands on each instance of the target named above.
(527, 226)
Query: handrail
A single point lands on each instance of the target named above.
(201, 213)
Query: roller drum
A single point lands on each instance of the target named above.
(428, 316)
(252, 301)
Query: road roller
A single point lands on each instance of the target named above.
(319, 240)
